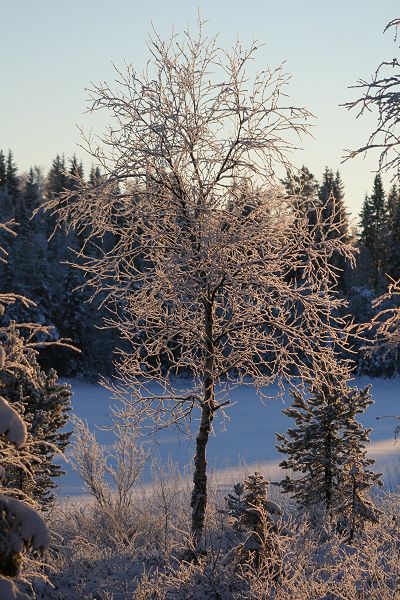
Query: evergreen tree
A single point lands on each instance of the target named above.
(12, 179)
(9, 187)
(56, 178)
(325, 445)
(331, 200)
(43, 403)
(393, 241)
(2, 171)
(75, 172)
(95, 176)
(302, 185)
(373, 235)
(251, 510)
(26, 271)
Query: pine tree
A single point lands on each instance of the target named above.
(373, 235)
(75, 172)
(61, 296)
(21, 527)
(325, 445)
(302, 187)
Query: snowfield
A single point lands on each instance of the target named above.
(244, 440)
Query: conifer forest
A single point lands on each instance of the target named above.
(199, 342)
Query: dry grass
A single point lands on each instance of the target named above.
(98, 554)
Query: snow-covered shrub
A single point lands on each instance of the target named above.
(83, 562)
(110, 474)
(251, 510)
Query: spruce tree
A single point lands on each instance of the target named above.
(302, 185)
(393, 241)
(3, 171)
(12, 179)
(331, 200)
(56, 179)
(26, 272)
(43, 403)
(324, 446)
(95, 176)
(251, 510)
(373, 234)
(9, 187)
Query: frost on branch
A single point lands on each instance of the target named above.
(211, 269)
(382, 93)
(386, 324)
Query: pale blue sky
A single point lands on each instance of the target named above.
(51, 50)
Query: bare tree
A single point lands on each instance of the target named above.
(382, 93)
(200, 243)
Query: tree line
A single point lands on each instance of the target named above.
(38, 268)
(38, 259)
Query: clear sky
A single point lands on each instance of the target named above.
(51, 50)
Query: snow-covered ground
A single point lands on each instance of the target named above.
(246, 438)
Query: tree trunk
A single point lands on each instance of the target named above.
(199, 493)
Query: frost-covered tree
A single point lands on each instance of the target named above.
(36, 396)
(385, 325)
(382, 93)
(44, 404)
(325, 447)
(197, 279)
(21, 526)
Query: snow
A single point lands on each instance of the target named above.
(243, 441)
(9, 591)
(27, 524)
(12, 424)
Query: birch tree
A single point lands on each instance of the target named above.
(199, 278)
